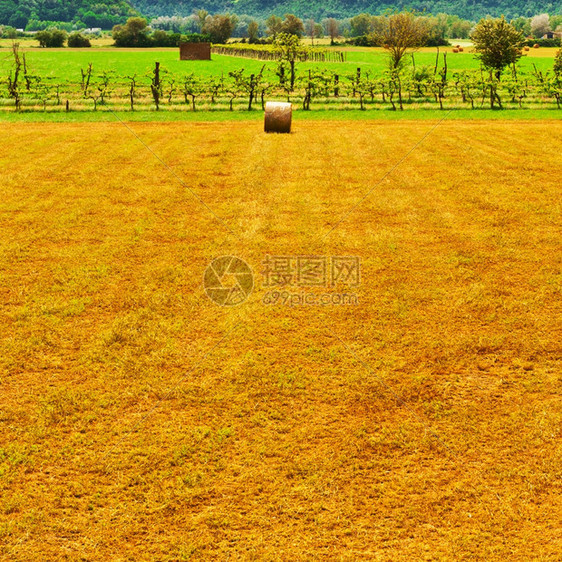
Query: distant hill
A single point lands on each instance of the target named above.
(92, 13)
(318, 9)
(106, 13)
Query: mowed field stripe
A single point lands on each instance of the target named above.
(274, 441)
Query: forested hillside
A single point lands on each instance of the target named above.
(106, 13)
(92, 13)
(468, 9)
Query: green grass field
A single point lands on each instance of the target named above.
(55, 79)
(65, 64)
(314, 115)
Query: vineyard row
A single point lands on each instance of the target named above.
(242, 89)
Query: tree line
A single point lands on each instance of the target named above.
(363, 29)
(343, 10)
(33, 15)
(78, 14)
(360, 29)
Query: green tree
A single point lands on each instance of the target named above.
(292, 26)
(10, 32)
(219, 27)
(437, 31)
(273, 24)
(556, 22)
(289, 49)
(319, 30)
(361, 24)
(311, 29)
(332, 28)
(43, 37)
(523, 25)
(540, 25)
(201, 16)
(458, 28)
(401, 33)
(497, 43)
(253, 31)
(133, 34)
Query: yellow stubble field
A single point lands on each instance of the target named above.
(139, 420)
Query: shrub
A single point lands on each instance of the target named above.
(436, 41)
(195, 38)
(77, 40)
(162, 38)
(10, 32)
(543, 42)
(363, 41)
(51, 38)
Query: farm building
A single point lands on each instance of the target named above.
(195, 51)
(553, 35)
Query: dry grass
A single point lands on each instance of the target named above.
(138, 421)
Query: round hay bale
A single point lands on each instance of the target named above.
(455, 50)
(536, 46)
(461, 49)
(278, 117)
(527, 48)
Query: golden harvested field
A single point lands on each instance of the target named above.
(141, 421)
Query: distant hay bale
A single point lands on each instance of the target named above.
(461, 49)
(527, 48)
(278, 117)
(455, 50)
(536, 46)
